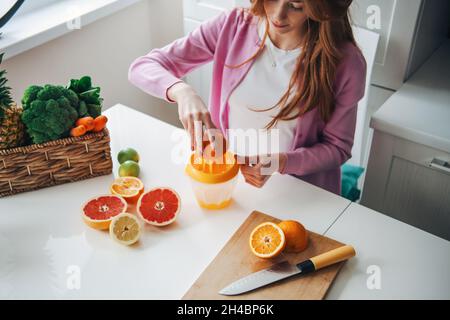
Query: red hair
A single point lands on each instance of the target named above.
(327, 29)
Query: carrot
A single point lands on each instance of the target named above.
(100, 123)
(88, 122)
(78, 131)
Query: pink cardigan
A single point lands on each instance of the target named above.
(318, 149)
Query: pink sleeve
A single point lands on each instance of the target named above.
(157, 71)
(338, 134)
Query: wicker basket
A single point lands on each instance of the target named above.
(56, 162)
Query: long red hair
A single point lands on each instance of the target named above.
(327, 28)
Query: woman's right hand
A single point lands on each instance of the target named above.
(193, 114)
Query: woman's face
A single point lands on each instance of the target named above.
(285, 16)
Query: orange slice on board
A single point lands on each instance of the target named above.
(267, 240)
(129, 188)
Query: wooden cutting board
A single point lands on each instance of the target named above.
(236, 260)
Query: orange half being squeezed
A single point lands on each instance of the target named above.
(212, 169)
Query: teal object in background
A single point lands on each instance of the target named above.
(350, 177)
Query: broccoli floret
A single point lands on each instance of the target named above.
(30, 95)
(72, 97)
(50, 112)
(50, 92)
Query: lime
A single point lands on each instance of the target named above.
(128, 154)
(129, 169)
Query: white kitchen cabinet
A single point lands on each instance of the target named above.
(410, 31)
(408, 175)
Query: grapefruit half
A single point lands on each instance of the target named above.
(98, 212)
(159, 206)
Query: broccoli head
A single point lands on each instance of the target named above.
(49, 112)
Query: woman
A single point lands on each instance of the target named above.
(290, 65)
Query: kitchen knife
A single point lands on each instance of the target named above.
(284, 270)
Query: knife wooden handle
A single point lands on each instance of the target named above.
(326, 259)
(334, 256)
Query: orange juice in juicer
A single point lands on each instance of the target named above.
(213, 178)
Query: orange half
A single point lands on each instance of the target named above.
(129, 188)
(267, 240)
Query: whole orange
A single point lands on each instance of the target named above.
(296, 235)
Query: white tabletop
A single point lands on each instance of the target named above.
(412, 264)
(419, 111)
(44, 243)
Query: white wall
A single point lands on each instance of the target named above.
(104, 50)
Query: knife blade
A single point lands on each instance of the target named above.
(283, 270)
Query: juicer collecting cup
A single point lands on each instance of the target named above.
(213, 180)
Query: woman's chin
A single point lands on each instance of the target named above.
(282, 31)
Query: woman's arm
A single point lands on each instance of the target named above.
(338, 134)
(160, 69)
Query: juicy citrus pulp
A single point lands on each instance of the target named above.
(267, 240)
(130, 188)
(125, 229)
(98, 212)
(296, 235)
(159, 206)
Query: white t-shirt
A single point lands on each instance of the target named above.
(262, 87)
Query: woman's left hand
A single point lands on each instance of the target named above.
(258, 169)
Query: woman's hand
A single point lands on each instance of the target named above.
(194, 115)
(257, 170)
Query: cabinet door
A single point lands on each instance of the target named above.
(395, 21)
(403, 183)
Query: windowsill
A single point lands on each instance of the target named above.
(35, 28)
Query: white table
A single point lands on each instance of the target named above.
(44, 242)
(413, 264)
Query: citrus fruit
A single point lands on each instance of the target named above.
(129, 169)
(125, 229)
(159, 206)
(129, 188)
(98, 212)
(267, 240)
(296, 235)
(128, 154)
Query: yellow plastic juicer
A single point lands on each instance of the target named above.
(213, 179)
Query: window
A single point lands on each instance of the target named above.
(31, 5)
(7, 9)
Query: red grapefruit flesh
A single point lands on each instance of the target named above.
(159, 206)
(98, 212)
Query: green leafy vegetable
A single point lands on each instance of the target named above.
(90, 100)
